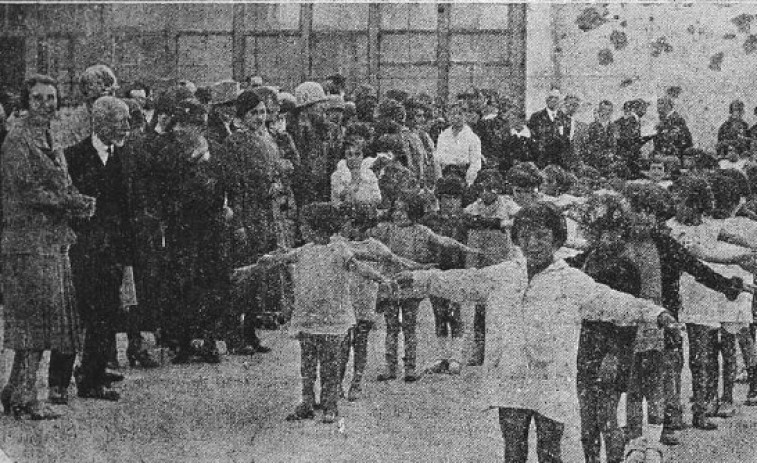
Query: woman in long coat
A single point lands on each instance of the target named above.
(38, 202)
(192, 202)
(256, 186)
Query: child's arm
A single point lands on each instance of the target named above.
(446, 242)
(366, 271)
(468, 285)
(266, 261)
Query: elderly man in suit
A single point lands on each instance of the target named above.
(630, 140)
(101, 258)
(550, 129)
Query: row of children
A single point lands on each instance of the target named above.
(650, 268)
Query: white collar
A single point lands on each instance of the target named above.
(103, 150)
(551, 113)
(524, 132)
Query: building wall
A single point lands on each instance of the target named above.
(284, 43)
(704, 54)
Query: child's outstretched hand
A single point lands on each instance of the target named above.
(242, 274)
(474, 251)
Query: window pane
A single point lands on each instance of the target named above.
(480, 16)
(340, 16)
(398, 16)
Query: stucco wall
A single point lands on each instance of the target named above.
(624, 51)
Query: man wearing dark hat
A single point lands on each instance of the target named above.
(223, 95)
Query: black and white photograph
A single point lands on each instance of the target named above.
(378, 231)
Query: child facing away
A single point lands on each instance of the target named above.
(322, 312)
(536, 307)
(364, 292)
(407, 238)
(488, 220)
(448, 221)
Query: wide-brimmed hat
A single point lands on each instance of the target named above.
(309, 93)
(224, 92)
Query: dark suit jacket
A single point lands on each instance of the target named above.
(673, 136)
(105, 242)
(552, 147)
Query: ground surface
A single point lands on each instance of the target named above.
(234, 412)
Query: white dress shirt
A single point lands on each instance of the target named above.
(103, 151)
(459, 150)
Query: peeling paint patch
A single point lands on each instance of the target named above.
(623, 23)
(661, 45)
(691, 30)
(674, 91)
(619, 40)
(716, 61)
(592, 18)
(605, 57)
(743, 22)
(729, 36)
(750, 44)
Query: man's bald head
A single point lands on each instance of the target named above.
(110, 120)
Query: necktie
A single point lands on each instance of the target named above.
(110, 154)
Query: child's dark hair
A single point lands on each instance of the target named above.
(323, 217)
(727, 189)
(525, 175)
(450, 185)
(491, 177)
(416, 208)
(562, 178)
(702, 159)
(358, 129)
(696, 191)
(543, 215)
(650, 197)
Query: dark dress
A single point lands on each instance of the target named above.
(197, 276)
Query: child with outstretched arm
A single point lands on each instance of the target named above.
(536, 307)
(407, 238)
(322, 313)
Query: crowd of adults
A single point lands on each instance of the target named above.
(130, 211)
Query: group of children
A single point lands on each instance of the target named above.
(570, 290)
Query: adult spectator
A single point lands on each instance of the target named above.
(549, 132)
(517, 145)
(492, 128)
(734, 132)
(601, 140)
(96, 81)
(142, 93)
(102, 257)
(311, 136)
(458, 150)
(192, 197)
(630, 140)
(335, 84)
(39, 202)
(673, 136)
(222, 109)
(366, 100)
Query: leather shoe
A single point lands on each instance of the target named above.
(704, 423)
(99, 393)
(669, 438)
(58, 396)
